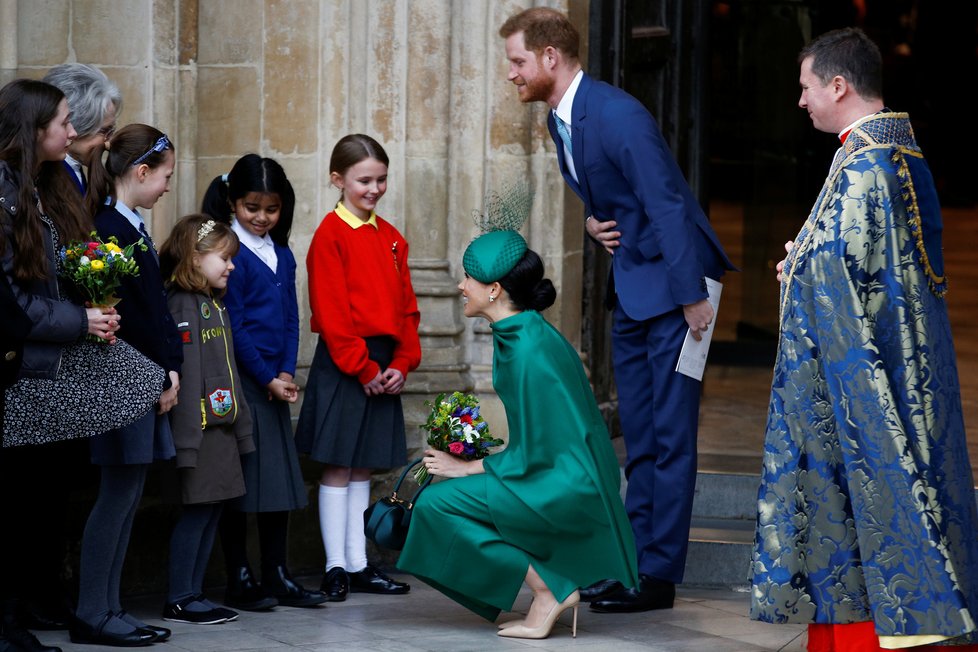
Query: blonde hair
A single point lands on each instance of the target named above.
(194, 234)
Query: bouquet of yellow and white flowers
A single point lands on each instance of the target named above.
(96, 268)
(455, 426)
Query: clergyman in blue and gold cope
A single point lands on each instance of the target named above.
(866, 509)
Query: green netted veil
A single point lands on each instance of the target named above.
(493, 254)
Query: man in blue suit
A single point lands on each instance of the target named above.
(641, 210)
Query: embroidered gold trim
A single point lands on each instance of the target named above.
(937, 283)
(875, 132)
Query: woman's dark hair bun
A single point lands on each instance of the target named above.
(544, 295)
(526, 286)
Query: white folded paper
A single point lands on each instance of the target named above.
(692, 357)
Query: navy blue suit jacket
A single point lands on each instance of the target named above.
(74, 178)
(627, 174)
(146, 322)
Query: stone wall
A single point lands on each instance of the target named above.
(287, 79)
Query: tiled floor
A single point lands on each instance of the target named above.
(702, 621)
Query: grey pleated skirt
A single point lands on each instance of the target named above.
(273, 479)
(339, 424)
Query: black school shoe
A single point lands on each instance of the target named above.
(18, 639)
(244, 593)
(52, 615)
(176, 612)
(81, 632)
(14, 637)
(161, 633)
(371, 580)
(287, 591)
(336, 584)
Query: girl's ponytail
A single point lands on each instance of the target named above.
(216, 202)
(100, 181)
(133, 145)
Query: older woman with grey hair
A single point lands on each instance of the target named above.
(95, 103)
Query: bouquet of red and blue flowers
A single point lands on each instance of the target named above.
(455, 426)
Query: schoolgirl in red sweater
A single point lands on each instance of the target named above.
(366, 314)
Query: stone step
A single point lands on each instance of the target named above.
(719, 553)
(721, 534)
(722, 531)
(725, 495)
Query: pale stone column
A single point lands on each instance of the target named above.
(171, 112)
(429, 131)
(8, 40)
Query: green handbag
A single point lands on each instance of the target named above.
(386, 521)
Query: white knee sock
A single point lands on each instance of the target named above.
(356, 541)
(332, 524)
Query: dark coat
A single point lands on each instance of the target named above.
(54, 322)
(14, 328)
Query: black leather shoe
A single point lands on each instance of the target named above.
(371, 580)
(244, 593)
(650, 594)
(287, 591)
(18, 639)
(176, 612)
(600, 590)
(161, 633)
(51, 616)
(336, 584)
(13, 636)
(82, 632)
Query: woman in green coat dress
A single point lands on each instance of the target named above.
(546, 510)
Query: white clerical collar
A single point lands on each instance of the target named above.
(845, 132)
(76, 166)
(134, 218)
(566, 105)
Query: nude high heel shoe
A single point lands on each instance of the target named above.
(543, 631)
(511, 623)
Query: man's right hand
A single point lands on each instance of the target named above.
(603, 232)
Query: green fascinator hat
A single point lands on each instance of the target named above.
(492, 255)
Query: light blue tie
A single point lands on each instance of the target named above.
(564, 132)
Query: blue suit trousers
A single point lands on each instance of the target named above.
(659, 412)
